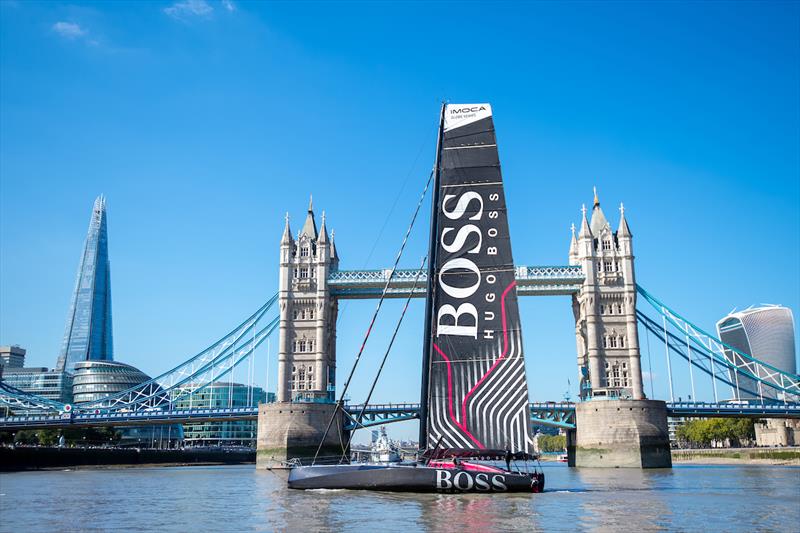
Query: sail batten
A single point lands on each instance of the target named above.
(477, 390)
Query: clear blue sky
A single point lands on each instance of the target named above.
(204, 121)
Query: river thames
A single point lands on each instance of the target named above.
(241, 498)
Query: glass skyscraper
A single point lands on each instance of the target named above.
(765, 333)
(88, 335)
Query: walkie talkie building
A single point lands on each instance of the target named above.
(88, 335)
(764, 333)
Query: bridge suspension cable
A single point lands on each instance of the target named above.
(189, 377)
(742, 372)
(19, 400)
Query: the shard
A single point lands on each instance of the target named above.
(88, 335)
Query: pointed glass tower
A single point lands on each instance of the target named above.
(88, 335)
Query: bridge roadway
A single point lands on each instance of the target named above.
(556, 414)
(531, 281)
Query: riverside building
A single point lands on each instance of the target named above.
(222, 433)
(94, 380)
(49, 384)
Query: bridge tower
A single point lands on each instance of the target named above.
(605, 309)
(293, 426)
(617, 426)
(307, 339)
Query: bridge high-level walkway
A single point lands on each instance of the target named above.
(531, 281)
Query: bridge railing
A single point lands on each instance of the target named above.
(384, 407)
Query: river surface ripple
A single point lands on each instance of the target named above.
(241, 498)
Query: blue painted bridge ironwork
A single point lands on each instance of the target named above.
(555, 414)
(531, 280)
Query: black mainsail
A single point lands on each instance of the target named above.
(474, 393)
(475, 387)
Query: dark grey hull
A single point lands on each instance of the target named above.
(411, 478)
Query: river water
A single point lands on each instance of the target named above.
(241, 498)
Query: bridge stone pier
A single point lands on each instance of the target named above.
(616, 425)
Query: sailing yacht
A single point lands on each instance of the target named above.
(474, 397)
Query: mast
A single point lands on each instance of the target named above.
(432, 247)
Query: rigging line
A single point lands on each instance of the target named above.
(385, 356)
(375, 314)
(388, 216)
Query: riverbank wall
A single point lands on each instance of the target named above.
(24, 458)
(768, 456)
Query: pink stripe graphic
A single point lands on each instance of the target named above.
(463, 425)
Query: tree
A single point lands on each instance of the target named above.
(552, 443)
(26, 437)
(727, 431)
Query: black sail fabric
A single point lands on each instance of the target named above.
(478, 393)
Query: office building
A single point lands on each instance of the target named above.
(49, 384)
(88, 335)
(11, 357)
(221, 394)
(93, 380)
(765, 333)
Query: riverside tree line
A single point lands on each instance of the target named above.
(727, 432)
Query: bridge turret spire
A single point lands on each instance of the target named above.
(599, 222)
(310, 225)
(624, 230)
(323, 232)
(334, 253)
(573, 247)
(287, 232)
(585, 231)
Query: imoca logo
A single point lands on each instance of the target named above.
(461, 110)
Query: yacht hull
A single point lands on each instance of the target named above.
(411, 478)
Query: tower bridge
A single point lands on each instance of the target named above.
(599, 281)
